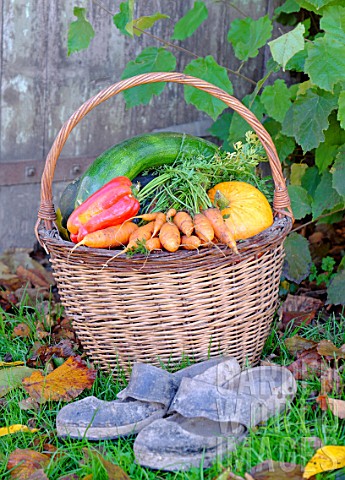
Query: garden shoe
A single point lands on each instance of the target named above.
(207, 421)
(146, 398)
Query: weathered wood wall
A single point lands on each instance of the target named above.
(40, 87)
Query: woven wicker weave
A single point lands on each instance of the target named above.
(169, 305)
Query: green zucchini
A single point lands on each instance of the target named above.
(138, 154)
(130, 158)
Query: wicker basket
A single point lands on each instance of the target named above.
(169, 305)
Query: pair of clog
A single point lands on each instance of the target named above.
(186, 418)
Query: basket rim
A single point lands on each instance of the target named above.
(269, 238)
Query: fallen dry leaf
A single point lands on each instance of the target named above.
(327, 349)
(336, 406)
(114, 471)
(64, 383)
(15, 428)
(21, 330)
(327, 458)
(300, 309)
(308, 363)
(330, 381)
(297, 344)
(270, 470)
(43, 353)
(12, 378)
(26, 462)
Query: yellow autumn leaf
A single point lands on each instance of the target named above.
(16, 428)
(10, 364)
(330, 457)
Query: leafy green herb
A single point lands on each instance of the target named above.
(184, 184)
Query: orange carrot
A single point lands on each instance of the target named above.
(184, 222)
(159, 221)
(139, 235)
(153, 244)
(203, 228)
(220, 228)
(170, 213)
(109, 237)
(190, 243)
(148, 217)
(169, 236)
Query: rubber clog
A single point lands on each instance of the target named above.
(147, 397)
(207, 421)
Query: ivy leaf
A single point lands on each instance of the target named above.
(290, 6)
(151, 59)
(333, 22)
(315, 6)
(300, 201)
(144, 23)
(239, 126)
(326, 198)
(276, 100)
(311, 180)
(338, 171)
(341, 111)
(336, 289)
(296, 63)
(287, 45)
(124, 18)
(284, 145)
(248, 35)
(207, 69)
(297, 258)
(325, 155)
(220, 128)
(80, 32)
(325, 64)
(307, 118)
(297, 172)
(187, 25)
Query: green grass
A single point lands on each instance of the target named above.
(282, 438)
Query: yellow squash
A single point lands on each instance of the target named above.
(245, 209)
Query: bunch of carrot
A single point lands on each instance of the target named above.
(169, 231)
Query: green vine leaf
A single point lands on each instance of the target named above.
(284, 145)
(311, 180)
(297, 258)
(325, 155)
(290, 6)
(315, 6)
(307, 118)
(207, 69)
(341, 110)
(333, 22)
(123, 19)
(297, 62)
(239, 126)
(220, 128)
(297, 172)
(338, 170)
(187, 25)
(326, 198)
(276, 100)
(300, 201)
(144, 23)
(325, 64)
(80, 32)
(248, 35)
(336, 289)
(151, 59)
(287, 45)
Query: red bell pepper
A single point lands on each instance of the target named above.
(99, 201)
(125, 208)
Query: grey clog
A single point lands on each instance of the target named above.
(146, 398)
(207, 421)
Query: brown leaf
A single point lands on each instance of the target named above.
(21, 330)
(300, 308)
(297, 344)
(44, 353)
(308, 363)
(114, 471)
(32, 276)
(327, 349)
(64, 383)
(330, 381)
(336, 406)
(270, 470)
(26, 462)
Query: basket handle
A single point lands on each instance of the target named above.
(281, 201)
